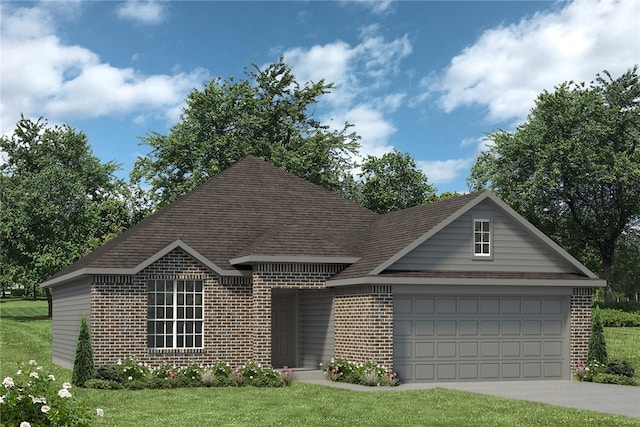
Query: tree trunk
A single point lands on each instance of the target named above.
(608, 290)
(49, 301)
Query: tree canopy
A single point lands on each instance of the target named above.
(393, 182)
(58, 201)
(268, 114)
(573, 168)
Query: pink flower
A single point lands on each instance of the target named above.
(64, 393)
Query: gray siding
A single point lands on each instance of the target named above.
(70, 302)
(514, 249)
(316, 327)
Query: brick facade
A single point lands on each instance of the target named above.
(580, 328)
(119, 315)
(364, 324)
(237, 314)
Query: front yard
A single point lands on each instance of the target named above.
(25, 334)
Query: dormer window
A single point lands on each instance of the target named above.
(482, 238)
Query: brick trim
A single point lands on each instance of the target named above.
(580, 325)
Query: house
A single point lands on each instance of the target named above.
(258, 264)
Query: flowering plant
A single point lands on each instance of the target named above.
(32, 397)
(367, 373)
(587, 371)
(133, 370)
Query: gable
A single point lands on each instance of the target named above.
(514, 247)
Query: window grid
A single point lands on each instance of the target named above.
(174, 313)
(482, 237)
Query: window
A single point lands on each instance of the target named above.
(174, 314)
(482, 238)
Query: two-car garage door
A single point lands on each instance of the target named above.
(454, 338)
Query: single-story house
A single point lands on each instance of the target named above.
(257, 264)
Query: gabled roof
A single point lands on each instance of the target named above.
(255, 212)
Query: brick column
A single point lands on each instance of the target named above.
(580, 328)
(364, 324)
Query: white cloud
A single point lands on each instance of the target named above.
(41, 75)
(507, 67)
(143, 12)
(444, 171)
(362, 72)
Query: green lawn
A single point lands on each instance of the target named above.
(26, 334)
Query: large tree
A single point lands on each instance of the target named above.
(58, 202)
(573, 168)
(626, 266)
(269, 114)
(393, 182)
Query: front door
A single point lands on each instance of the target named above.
(283, 346)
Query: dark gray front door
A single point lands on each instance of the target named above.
(283, 346)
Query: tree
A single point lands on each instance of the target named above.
(269, 114)
(83, 366)
(393, 182)
(597, 350)
(626, 266)
(573, 168)
(58, 202)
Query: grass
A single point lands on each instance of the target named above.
(25, 334)
(624, 343)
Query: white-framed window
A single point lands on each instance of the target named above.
(482, 238)
(174, 313)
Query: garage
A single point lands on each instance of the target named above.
(483, 337)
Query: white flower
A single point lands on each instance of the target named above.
(19, 372)
(64, 393)
(130, 378)
(35, 400)
(32, 362)
(66, 386)
(39, 368)
(8, 382)
(45, 409)
(52, 378)
(100, 412)
(34, 375)
(25, 424)
(1, 400)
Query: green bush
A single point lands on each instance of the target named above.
(620, 367)
(369, 373)
(83, 368)
(103, 384)
(613, 379)
(136, 385)
(597, 351)
(109, 373)
(628, 306)
(619, 318)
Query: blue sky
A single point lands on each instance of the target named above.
(426, 77)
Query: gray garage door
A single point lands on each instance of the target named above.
(480, 338)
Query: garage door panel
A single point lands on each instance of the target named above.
(481, 338)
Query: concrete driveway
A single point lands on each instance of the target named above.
(607, 398)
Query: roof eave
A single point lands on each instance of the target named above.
(448, 281)
(293, 259)
(87, 271)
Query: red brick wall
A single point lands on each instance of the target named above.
(580, 328)
(119, 315)
(364, 324)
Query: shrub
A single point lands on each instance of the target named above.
(83, 368)
(604, 378)
(32, 396)
(586, 372)
(597, 346)
(100, 384)
(628, 306)
(109, 373)
(254, 374)
(620, 367)
(136, 385)
(368, 373)
(190, 376)
(217, 375)
(619, 318)
(133, 370)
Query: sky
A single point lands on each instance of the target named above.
(428, 78)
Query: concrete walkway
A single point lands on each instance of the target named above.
(607, 398)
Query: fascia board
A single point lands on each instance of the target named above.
(380, 280)
(293, 259)
(144, 264)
